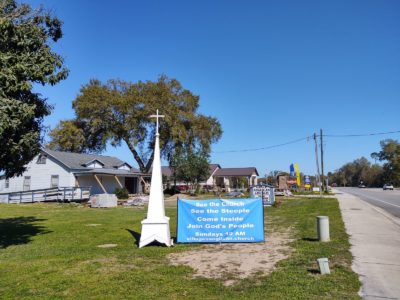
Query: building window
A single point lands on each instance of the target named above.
(54, 181)
(41, 159)
(27, 183)
(7, 183)
(95, 164)
(124, 167)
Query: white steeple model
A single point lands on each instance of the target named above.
(156, 226)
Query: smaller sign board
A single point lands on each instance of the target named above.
(265, 192)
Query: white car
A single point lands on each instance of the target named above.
(388, 187)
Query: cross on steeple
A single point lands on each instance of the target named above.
(157, 116)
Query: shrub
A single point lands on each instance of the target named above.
(121, 193)
(171, 191)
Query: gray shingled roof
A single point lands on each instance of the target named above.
(236, 172)
(76, 161)
(107, 172)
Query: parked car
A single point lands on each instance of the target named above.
(279, 192)
(388, 186)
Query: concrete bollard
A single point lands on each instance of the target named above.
(323, 266)
(323, 228)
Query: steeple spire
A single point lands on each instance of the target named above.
(156, 226)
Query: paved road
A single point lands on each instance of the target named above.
(387, 200)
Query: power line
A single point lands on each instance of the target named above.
(265, 148)
(307, 138)
(359, 135)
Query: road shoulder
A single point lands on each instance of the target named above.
(375, 239)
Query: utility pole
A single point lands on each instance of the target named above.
(322, 161)
(316, 160)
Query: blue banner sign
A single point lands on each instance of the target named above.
(220, 221)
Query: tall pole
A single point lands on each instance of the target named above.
(316, 160)
(322, 161)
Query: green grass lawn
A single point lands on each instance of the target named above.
(50, 251)
(312, 193)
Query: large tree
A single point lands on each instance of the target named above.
(390, 153)
(26, 58)
(190, 165)
(118, 111)
(76, 136)
(69, 135)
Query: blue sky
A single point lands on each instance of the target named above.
(270, 71)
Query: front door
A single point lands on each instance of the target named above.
(131, 185)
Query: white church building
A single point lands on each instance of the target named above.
(57, 169)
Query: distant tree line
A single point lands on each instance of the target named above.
(373, 175)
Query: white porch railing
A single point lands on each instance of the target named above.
(64, 194)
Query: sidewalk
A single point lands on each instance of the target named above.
(375, 240)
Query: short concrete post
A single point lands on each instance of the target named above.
(323, 228)
(323, 266)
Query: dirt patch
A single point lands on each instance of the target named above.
(172, 200)
(232, 262)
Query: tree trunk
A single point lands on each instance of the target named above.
(150, 162)
(136, 156)
(143, 168)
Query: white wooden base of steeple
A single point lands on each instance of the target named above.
(155, 230)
